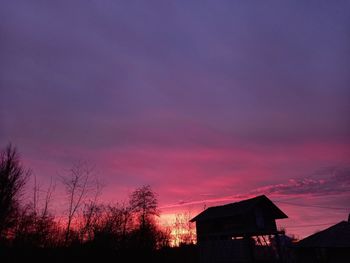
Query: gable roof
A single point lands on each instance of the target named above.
(238, 208)
(337, 235)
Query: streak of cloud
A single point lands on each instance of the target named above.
(337, 183)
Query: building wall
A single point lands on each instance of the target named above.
(235, 226)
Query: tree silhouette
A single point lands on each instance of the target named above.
(183, 229)
(34, 229)
(13, 177)
(113, 227)
(144, 202)
(77, 186)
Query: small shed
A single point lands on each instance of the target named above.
(229, 233)
(330, 245)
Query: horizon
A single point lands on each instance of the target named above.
(208, 103)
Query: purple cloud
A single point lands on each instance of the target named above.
(338, 182)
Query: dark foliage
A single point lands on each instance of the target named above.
(86, 253)
(92, 231)
(12, 180)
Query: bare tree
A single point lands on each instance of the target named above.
(35, 226)
(163, 238)
(144, 202)
(36, 190)
(144, 205)
(183, 229)
(47, 200)
(12, 180)
(92, 213)
(34, 230)
(40, 206)
(78, 185)
(115, 226)
(91, 220)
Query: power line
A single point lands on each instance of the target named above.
(314, 206)
(299, 226)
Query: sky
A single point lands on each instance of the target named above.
(209, 102)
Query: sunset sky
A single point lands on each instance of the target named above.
(209, 102)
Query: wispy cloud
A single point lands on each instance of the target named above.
(337, 182)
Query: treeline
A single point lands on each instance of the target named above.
(89, 230)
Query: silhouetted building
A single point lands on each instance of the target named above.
(331, 245)
(238, 232)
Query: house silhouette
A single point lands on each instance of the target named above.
(329, 245)
(231, 232)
